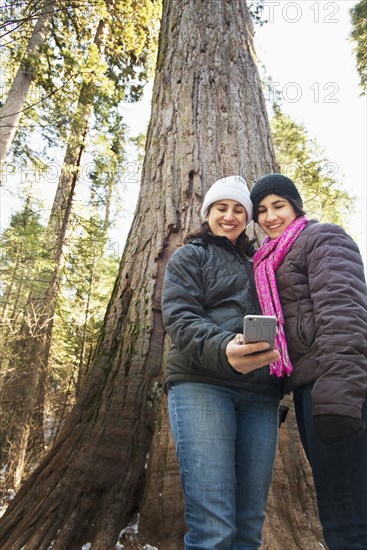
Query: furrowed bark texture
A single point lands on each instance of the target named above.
(208, 121)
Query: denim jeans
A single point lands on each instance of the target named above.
(225, 443)
(340, 476)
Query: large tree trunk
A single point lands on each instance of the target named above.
(11, 111)
(23, 429)
(208, 120)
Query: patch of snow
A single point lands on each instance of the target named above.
(87, 546)
(148, 547)
(129, 531)
(4, 502)
(132, 528)
(53, 542)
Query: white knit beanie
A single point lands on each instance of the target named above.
(234, 188)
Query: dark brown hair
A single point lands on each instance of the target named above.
(297, 206)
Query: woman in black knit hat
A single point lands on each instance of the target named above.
(310, 275)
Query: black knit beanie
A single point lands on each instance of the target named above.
(275, 184)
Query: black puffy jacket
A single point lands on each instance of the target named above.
(322, 290)
(208, 288)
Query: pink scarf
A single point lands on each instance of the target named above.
(266, 261)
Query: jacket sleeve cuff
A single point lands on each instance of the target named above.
(223, 356)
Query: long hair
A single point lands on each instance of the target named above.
(243, 245)
(297, 206)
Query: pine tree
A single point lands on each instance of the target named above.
(359, 36)
(300, 158)
(11, 110)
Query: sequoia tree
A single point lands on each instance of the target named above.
(208, 120)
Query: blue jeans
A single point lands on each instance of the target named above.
(340, 477)
(225, 443)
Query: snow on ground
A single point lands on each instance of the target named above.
(4, 501)
(128, 536)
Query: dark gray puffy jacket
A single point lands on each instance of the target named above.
(323, 295)
(208, 288)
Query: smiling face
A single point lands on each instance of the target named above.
(227, 218)
(275, 214)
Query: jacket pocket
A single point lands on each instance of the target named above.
(305, 329)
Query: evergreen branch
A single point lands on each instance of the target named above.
(42, 99)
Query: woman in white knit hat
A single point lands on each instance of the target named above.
(223, 403)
